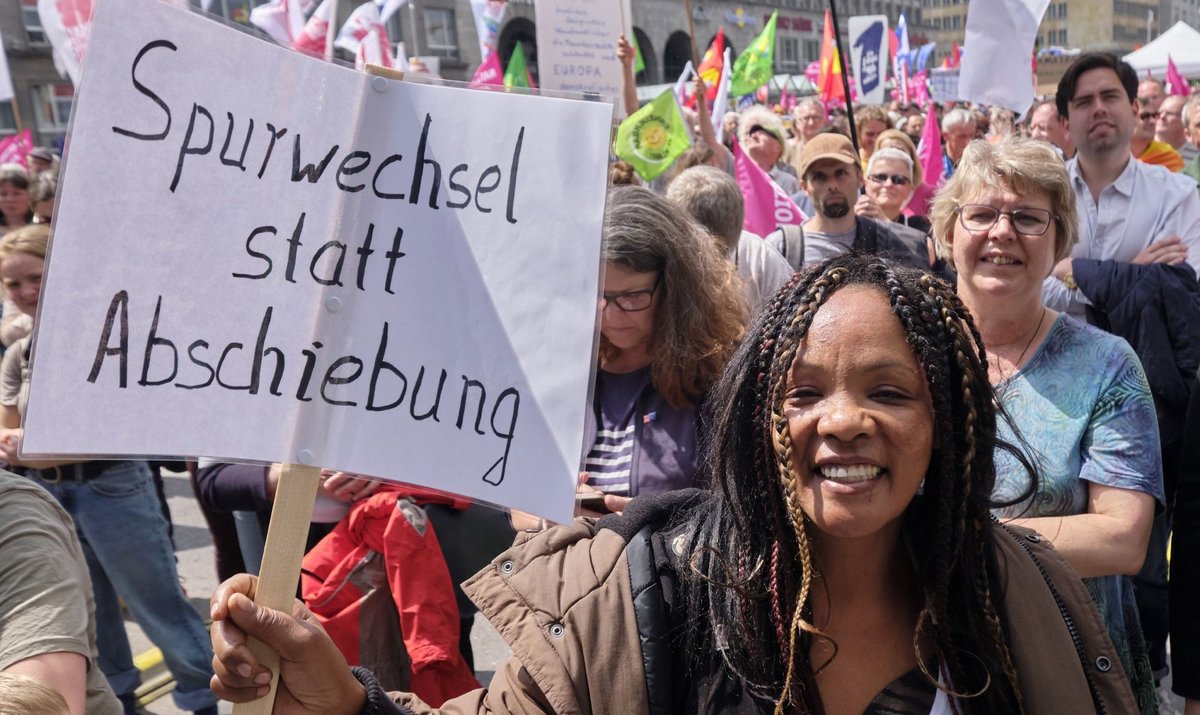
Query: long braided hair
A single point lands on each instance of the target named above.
(750, 587)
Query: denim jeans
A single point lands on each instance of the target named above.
(124, 538)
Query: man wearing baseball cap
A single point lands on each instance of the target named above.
(831, 176)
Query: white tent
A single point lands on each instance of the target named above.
(1181, 42)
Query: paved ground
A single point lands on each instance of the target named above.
(194, 549)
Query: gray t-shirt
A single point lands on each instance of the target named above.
(45, 592)
(14, 376)
(819, 246)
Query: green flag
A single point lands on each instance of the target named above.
(754, 67)
(517, 72)
(653, 137)
(639, 63)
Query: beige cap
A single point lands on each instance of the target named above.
(829, 145)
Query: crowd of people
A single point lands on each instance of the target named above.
(923, 452)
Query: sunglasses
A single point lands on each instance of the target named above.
(896, 179)
(1147, 116)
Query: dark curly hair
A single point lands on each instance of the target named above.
(750, 587)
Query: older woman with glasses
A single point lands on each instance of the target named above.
(671, 314)
(888, 188)
(1078, 393)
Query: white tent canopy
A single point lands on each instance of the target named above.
(1181, 42)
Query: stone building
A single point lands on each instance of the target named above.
(43, 98)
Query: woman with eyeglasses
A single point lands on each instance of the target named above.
(1079, 394)
(888, 188)
(671, 315)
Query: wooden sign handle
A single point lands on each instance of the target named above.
(284, 549)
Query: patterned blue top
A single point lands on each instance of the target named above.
(1083, 407)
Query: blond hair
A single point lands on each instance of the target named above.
(29, 696)
(32, 239)
(1026, 167)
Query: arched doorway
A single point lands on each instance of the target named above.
(649, 75)
(732, 50)
(523, 30)
(676, 55)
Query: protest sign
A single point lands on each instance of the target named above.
(943, 85)
(868, 54)
(577, 44)
(308, 264)
(998, 68)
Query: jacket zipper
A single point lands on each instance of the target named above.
(1066, 616)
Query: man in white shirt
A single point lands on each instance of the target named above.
(1129, 211)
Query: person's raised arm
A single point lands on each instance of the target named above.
(706, 128)
(627, 56)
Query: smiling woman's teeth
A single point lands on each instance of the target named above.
(1000, 260)
(849, 474)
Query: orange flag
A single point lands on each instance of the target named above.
(829, 82)
(710, 66)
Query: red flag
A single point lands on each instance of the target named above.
(830, 81)
(955, 56)
(710, 66)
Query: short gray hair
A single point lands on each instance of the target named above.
(713, 198)
(957, 117)
(1192, 103)
(895, 155)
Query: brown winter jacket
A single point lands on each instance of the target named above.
(564, 602)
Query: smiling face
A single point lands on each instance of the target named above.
(629, 332)
(21, 274)
(1001, 262)
(859, 416)
(1100, 116)
(890, 196)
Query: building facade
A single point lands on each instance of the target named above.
(43, 98)
(1104, 25)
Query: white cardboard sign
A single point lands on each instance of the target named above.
(261, 256)
(943, 85)
(577, 44)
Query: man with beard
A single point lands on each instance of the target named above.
(1133, 272)
(831, 176)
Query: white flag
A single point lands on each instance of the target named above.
(375, 49)
(312, 38)
(283, 20)
(681, 83)
(721, 103)
(364, 18)
(488, 16)
(999, 68)
(6, 88)
(67, 24)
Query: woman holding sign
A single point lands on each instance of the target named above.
(845, 561)
(116, 511)
(671, 312)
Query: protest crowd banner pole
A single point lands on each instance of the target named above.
(841, 58)
(291, 515)
(331, 31)
(687, 5)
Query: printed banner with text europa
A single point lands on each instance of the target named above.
(304, 263)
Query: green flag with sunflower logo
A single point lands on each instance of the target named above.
(653, 137)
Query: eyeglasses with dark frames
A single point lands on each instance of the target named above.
(1027, 222)
(633, 301)
(896, 179)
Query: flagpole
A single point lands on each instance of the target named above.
(331, 31)
(687, 4)
(841, 56)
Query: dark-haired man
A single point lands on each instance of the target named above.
(1133, 215)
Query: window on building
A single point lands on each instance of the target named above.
(32, 22)
(812, 51)
(8, 122)
(52, 107)
(440, 37)
(789, 54)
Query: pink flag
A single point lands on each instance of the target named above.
(490, 72)
(767, 205)
(15, 149)
(919, 87)
(364, 19)
(374, 49)
(312, 38)
(1176, 84)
